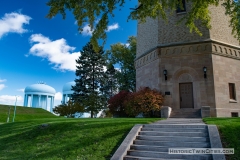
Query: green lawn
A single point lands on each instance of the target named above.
(90, 139)
(229, 129)
(23, 113)
(85, 139)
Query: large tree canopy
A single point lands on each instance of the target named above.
(124, 56)
(91, 11)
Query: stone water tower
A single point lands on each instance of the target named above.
(194, 72)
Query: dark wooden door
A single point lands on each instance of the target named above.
(186, 95)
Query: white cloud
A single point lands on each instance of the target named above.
(58, 96)
(112, 27)
(13, 23)
(2, 80)
(126, 44)
(2, 86)
(10, 100)
(20, 90)
(57, 52)
(87, 31)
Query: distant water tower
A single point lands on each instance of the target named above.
(39, 96)
(67, 91)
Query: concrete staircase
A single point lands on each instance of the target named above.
(154, 140)
(185, 113)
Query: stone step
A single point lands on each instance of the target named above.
(172, 144)
(149, 148)
(176, 129)
(181, 120)
(152, 148)
(162, 133)
(173, 138)
(179, 123)
(184, 116)
(186, 110)
(166, 155)
(185, 113)
(191, 120)
(176, 121)
(203, 126)
(127, 157)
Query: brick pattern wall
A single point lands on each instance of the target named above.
(220, 30)
(170, 33)
(147, 37)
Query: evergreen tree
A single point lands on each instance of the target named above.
(89, 72)
(110, 83)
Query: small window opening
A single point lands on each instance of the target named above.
(232, 93)
(234, 114)
(183, 8)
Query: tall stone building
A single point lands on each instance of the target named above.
(172, 60)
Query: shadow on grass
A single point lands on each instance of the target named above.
(64, 139)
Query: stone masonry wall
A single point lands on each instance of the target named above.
(226, 70)
(188, 61)
(148, 76)
(184, 64)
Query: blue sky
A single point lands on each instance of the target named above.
(34, 48)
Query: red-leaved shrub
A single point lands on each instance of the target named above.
(116, 103)
(145, 101)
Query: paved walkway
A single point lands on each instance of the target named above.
(181, 121)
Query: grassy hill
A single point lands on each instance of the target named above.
(38, 134)
(229, 129)
(23, 113)
(65, 138)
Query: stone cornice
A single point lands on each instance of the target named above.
(226, 51)
(146, 59)
(189, 43)
(207, 47)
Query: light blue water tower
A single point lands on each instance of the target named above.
(67, 91)
(39, 96)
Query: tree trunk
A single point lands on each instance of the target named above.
(91, 114)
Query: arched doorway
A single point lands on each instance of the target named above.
(186, 89)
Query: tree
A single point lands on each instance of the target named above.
(124, 56)
(116, 103)
(145, 100)
(109, 82)
(89, 72)
(89, 11)
(68, 109)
